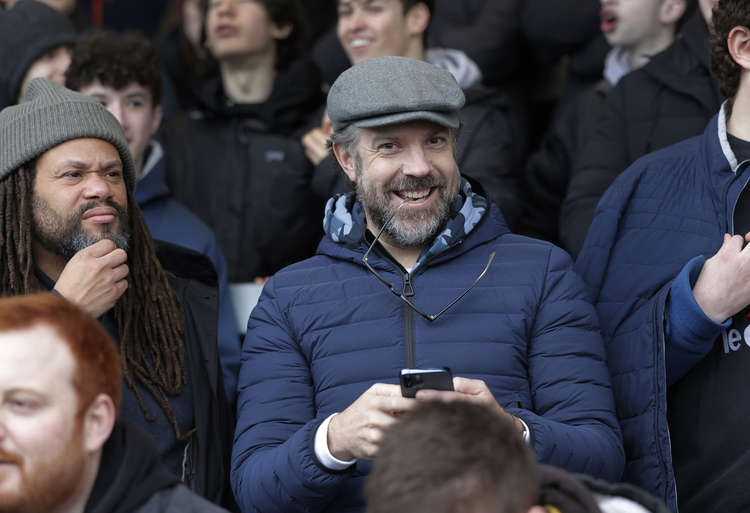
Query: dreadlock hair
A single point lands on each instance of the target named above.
(148, 315)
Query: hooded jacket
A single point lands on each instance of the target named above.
(169, 221)
(326, 329)
(132, 480)
(657, 223)
(668, 100)
(242, 170)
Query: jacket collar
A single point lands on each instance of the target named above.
(345, 224)
(152, 184)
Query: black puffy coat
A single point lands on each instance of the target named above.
(670, 99)
(242, 170)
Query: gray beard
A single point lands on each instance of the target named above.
(66, 237)
(407, 229)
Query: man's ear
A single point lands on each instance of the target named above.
(346, 161)
(738, 44)
(280, 32)
(98, 422)
(671, 11)
(417, 19)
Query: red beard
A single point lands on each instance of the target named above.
(51, 482)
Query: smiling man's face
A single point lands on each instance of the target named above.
(407, 171)
(79, 197)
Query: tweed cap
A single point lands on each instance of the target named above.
(27, 31)
(389, 90)
(50, 115)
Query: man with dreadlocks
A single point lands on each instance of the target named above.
(68, 223)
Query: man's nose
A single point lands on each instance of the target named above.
(96, 186)
(115, 108)
(416, 163)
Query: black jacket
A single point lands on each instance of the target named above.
(670, 99)
(193, 279)
(242, 170)
(486, 153)
(132, 480)
(547, 172)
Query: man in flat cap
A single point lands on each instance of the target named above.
(417, 271)
(69, 223)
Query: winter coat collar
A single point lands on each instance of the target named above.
(152, 184)
(345, 225)
(129, 472)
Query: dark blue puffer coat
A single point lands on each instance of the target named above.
(326, 329)
(667, 209)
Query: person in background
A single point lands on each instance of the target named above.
(122, 72)
(637, 30)
(668, 100)
(237, 162)
(35, 41)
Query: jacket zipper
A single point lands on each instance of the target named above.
(408, 322)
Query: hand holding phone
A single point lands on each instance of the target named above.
(413, 380)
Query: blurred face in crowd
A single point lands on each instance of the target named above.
(79, 198)
(134, 108)
(374, 28)
(65, 6)
(240, 29)
(51, 65)
(43, 453)
(706, 7)
(636, 23)
(411, 164)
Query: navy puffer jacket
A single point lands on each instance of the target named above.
(667, 209)
(326, 329)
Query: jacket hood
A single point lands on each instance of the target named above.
(296, 95)
(344, 222)
(129, 472)
(152, 184)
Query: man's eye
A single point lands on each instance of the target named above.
(22, 405)
(437, 141)
(114, 174)
(73, 174)
(388, 147)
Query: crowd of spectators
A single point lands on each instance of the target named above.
(564, 178)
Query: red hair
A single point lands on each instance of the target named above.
(97, 360)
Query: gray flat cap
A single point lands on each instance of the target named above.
(389, 90)
(50, 115)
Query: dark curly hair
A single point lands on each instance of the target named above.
(115, 61)
(727, 15)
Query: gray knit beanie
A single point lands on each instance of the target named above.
(27, 31)
(50, 115)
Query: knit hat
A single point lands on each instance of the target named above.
(389, 90)
(50, 115)
(27, 32)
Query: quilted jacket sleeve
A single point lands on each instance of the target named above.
(574, 422)
(273, 466)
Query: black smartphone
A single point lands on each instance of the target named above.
(417, 379)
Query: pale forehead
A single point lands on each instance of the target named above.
(35, 358)
(343, 3)
(96, 88)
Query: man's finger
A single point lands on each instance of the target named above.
(100, 248)
(120, 272)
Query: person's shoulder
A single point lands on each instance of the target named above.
(184, 263)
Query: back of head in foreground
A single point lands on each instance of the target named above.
(453, 458)
(60, 386)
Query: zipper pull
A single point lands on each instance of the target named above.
(408, 289)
